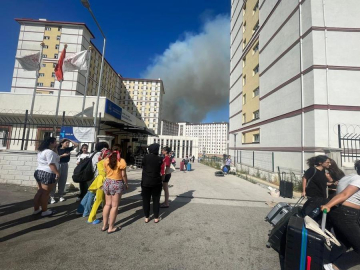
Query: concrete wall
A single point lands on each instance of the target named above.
(19, 167)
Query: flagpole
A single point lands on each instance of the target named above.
(58, 99)
(86, 82)
(42, 44)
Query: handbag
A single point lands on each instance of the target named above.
(312, 225)
(170, 169)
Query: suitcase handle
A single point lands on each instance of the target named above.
(299, 201)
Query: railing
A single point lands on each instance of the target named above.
(349, 143)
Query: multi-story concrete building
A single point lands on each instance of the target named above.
(169, 128)
(294, 69)
(143, 97)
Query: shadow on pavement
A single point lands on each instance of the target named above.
(11, 208)
(177, 203)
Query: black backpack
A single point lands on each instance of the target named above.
(84, 172)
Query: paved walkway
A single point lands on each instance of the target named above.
(212, 223)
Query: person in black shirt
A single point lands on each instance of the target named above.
(333, 174)
(151, 182)
(63, 150)
(315, 183)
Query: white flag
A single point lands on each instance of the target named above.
(30, 62)
(76, 61)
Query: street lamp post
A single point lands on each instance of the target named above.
(86, 4)
(235, 149)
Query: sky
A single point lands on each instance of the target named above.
(186, 43)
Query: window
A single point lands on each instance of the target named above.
(244, 80)
(256, 7)
(44, 55)
(244, 43)
(59, 29)
(43, 65)
(52, 84)
(47, 28)
(56, 56)
(256, 92)
(244, 61)
(244, 99)
(41, 74)
(57, 46)
(244, 27)
(256, 70)
(58, 38)
(46, 37)
(256, 27)
(256, 138)
(40, 84)
(256, 48)
(244, 118)
(256, 114)
(244, 10)
(53, 75)
(54, 65)
(46, 47)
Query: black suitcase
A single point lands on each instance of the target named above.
(277, 236)
(286, 187)
(297, 238)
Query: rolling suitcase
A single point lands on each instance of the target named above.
(277, 236)
(188, 167)
(304, 248)
(286, 187)
(182, 166)
(279, 211)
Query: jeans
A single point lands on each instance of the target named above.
(86, 203)
(63, 170)
(155, 193)
(346, 223)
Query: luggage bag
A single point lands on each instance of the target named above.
(182, 166)
(278, 210)
(304, 247)
(188, 167)
(286, 187)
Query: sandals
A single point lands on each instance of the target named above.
(147, 220)
(156, 220)
(104, 230)
(164, 206)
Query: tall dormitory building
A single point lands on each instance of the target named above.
(141, 97)
(294, 76)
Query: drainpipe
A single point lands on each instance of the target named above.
(327, 74)
(302, 90)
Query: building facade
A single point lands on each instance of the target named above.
(141, 97)
(169, 128)
(294, 71)
(182, 146)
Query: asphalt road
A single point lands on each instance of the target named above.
(212, 223)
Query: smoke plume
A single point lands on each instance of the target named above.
(195, 72)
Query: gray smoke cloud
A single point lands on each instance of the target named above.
(195, 72)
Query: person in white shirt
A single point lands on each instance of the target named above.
(80, 156)
(46, 175)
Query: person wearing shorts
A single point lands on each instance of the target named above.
(46, 175)
(114, 185)
(166, 164)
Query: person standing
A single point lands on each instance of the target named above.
(151, 182)
(115, 184)
(81, 156)
(46, 174)
(63, 150)
(193, 159)
(228, 163)
(333, 174)
(165, 167)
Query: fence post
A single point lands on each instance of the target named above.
(273, 163)
(23, 136)
(253, 159)
(98, 133)
(240, 156)
(63, 118)
(339, 135)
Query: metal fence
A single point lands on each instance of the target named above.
(256, 159)
(349, 142)
(23, 131)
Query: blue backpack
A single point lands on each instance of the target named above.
(225, 169)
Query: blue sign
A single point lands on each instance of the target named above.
(77, 134)
(113, 109)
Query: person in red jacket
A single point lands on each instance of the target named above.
(165, 166)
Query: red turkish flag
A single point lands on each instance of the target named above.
(59, 67)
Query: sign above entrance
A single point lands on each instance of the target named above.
(78, 134)
(128, 118)
(113, 109)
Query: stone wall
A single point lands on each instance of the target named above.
(17, 167)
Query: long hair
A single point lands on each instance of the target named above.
(316, 161)
(45, 144)
(357, 166)
(113, 159)
(335, 172)
(61, 143)
(100, 146)
(80, 152)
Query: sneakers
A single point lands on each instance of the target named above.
(330, 266)
(78, 213)
(96, 221)
(37, 211)
(62, 199)
(47, 213)
(52, 200)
